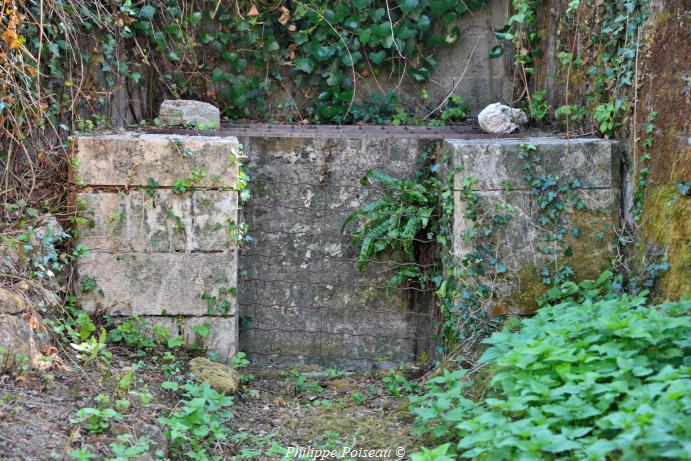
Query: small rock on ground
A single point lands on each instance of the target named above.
(220, 377)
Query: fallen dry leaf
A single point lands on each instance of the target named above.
(253, 11)
(285, 15)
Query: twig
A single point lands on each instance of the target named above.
(467, 64)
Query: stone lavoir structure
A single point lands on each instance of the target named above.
(162, 253)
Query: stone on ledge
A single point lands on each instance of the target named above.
(189, 112)
(500, 119)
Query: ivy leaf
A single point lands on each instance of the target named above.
(378, 57)
(305, 65)
(273, 46)
(202, 330)
(364, 36)
(423, 22)
(147, 12)
(383, 29)
(348, 61)
(361, 4)
(496, 52)
(322, 53)
(452, 36)
(378, 14)
(409, 5)
(420, 74)
(439, 7)
(504, 34)
(136, 77)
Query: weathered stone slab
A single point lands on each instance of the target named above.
(12, 302)
(526, 247)
(156, 283)
(279, 346)
(135, 159)
(21, 337)
(300, 291)
(496, 163)
(159, 220)
(189, 112)
(373, 348)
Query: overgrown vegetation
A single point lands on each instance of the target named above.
(404, 223)
(603, 378)
(594, 375)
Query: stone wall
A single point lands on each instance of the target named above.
(162, 254)
(499, 169)
(157, 250)
(662, 87)
(301, 298)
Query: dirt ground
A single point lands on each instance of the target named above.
(273, 410)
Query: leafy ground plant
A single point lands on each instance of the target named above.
(198, 423)
(591, 380)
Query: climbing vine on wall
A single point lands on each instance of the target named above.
(77, 65)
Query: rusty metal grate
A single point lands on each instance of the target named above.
(265, 130)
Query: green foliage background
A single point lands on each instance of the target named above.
(595, 379)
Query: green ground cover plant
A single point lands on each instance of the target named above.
(596, 379)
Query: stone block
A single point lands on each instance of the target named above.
(524, 246)
(299, 285)
(21, 337)
(159, 220)
(157, 283)
(373, 348)
(134, 159)
(383, 323)
(12, 302)
(265, 345)
(496, 163)
(189, 112)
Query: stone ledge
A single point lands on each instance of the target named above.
(496, 164)
(132, 159)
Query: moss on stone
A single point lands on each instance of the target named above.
(524, 300)
(667, 225)
(592, 250)
(220, 377)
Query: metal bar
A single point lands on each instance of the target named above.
(259, 130)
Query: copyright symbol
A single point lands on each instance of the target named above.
(400, 452)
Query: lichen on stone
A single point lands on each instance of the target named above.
(220, 377)
(667, 225)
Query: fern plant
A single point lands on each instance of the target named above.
(405, 224)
